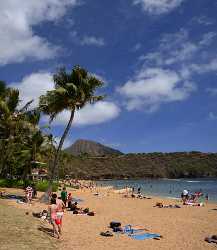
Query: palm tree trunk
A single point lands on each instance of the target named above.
(56, 158)
(55, 169)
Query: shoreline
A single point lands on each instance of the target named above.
(172, 191)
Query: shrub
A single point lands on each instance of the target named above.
(43, 185)
(40, 185)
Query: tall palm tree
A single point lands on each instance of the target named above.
(73, 90)
(18, 126)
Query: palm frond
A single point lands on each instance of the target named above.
(12, 99)
(26, 106)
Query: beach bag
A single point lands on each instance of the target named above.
(115, 224)
(106, 234)
(117, 229)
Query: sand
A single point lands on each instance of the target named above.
(181, 228)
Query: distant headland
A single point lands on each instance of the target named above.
(92, 160)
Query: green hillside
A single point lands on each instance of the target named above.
(151, 165)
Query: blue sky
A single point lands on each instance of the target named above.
(158, 59)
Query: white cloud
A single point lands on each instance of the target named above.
(204, 68)
(33, 86)
(212, 116)
(207, 38)
(167, 73)
(212, 91)
(37, 84)
(97, 113)
(178, 48)
(158, 7)
(92, 40)
(18, 18)
(87, 40)
(136, 47)
(203, 20)
(152, 87)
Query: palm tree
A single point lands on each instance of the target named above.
(73, 90)
(18, 127)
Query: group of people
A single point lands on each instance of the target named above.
(188, 198)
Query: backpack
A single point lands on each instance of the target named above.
(115, 224)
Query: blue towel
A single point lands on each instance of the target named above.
(129, 230)
(144, 236)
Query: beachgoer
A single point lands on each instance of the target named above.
(185, 195)
(60, 210)
(34, 191)
(69, 200)
(74, 207)
(139, 190)
(206, 197)
(64, 195)
(29, 193)
(55, 221)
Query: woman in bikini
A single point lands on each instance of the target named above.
(59, 211)
(55, 221)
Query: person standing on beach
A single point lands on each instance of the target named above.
(59, 211)
(139, 190)
(64, 195)
(206, 197)
(54, 220)
(69, 199)
(29, 193)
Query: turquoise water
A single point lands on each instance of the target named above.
(167, 187)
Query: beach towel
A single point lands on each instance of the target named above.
(144, 236)
(128, 229)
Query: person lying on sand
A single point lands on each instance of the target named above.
(194, 204)
(212, 239)
(160, 205)
(129, 229)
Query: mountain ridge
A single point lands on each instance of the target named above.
(92, 148)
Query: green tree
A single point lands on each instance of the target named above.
(73, 90)
(20, 137)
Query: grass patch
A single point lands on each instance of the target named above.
(21, 231)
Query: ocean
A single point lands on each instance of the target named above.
(170, 188)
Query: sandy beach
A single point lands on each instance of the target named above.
(181, 228)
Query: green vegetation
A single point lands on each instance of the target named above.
(72, 92)
(151, 165)
(22, 140)
(40, 185)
